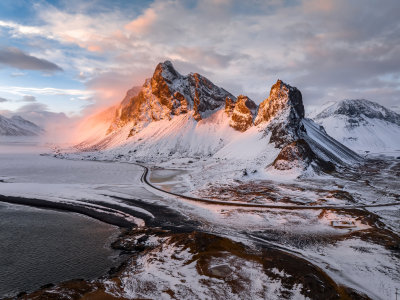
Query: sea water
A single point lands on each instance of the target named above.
(40, 246)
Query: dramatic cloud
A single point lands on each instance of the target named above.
(16, 58)
(330, 50)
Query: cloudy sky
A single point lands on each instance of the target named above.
(72, 56)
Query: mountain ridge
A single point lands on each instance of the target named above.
(188, 116)
(18, 126)
(166, 94)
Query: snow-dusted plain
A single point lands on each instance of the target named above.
(228, 200)
(356, 248)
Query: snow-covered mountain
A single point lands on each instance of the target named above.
(361, 125)
(174, 116)
(168, 94)
(18, 126)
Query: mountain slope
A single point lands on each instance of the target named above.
(361, 125)
(18, 126)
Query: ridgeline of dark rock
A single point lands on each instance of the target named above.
(299, 154)
(282, 97)
(280, 117)
(284, 110)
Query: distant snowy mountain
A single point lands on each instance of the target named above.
(361, 125)
(175, 116)
(18, 126)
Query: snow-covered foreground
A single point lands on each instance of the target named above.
(353, 247)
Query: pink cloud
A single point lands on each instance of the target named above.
(143, 23)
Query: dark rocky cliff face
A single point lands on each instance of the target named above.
(281, 98)
(283, 111)
(299, 154)
(168, 93)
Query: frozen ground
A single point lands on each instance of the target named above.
(355, 247)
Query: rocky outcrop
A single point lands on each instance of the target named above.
(299, 155)
(283, 98)
(229, 106)
(166, 94)
(282, 111)
(242, 114)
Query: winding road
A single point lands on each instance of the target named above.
(145, 180)
(115, 214)
(161, 216)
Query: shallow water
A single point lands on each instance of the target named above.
(40, 246)
(170, 180)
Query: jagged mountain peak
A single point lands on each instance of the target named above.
(282, 98)
(166, 94)
(281, 113)
(167, 71)
(246, 101)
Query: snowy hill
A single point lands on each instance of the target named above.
(174, 116)
(361, 125)
(18, 126)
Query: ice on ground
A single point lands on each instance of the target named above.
(364, 266)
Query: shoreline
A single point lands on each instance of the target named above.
(165, 219)
(112, 239)
(62, 206)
